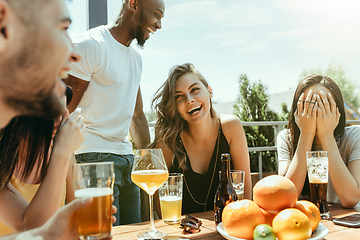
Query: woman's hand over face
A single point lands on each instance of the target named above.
(71, 133)
(328, 115)
(305, 115)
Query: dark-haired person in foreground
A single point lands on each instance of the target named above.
(36, 175)
(35, 51)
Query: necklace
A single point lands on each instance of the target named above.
(212, 178)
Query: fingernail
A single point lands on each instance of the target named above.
(330, 94)
(321, 92)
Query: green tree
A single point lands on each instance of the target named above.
(252, 104)
(349, 89)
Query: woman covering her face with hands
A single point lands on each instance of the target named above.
(317, 122)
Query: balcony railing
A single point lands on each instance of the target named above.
(277, 125)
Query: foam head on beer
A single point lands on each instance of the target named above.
(317, 179)
(93, 192)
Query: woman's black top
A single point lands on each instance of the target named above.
(199, 184)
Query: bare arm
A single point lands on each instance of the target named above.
(61, 225)
(139, 128)
(20, 215)
(346, 180)
(48, 197)
(69, 181)
(235, 135)
(305, 118)
(78, 87)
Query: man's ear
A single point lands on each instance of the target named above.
(210, 91)
(133, 5)
(5, 26)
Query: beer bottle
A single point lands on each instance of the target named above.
(225, 192)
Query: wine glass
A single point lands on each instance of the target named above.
(149, 172)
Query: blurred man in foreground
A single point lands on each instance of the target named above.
(35, 51)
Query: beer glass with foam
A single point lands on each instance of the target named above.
(94, 180)
(149, 172)
(317, 167)
(170, 194)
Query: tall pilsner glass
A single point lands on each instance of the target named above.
(149, 172)
(94, 180)
(318, 167)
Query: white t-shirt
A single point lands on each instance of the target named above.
(108, 104)
(349, 148)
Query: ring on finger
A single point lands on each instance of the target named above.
(304, 101)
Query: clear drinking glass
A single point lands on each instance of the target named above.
(170, 194)
(149, 172)
(317, 167)
(237, 180)
(94, 180)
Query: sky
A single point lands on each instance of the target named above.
(269, 40)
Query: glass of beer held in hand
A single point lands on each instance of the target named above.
(94, 180)
(317, 167)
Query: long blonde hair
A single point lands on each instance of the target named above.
(169, 123)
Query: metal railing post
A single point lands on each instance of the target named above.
(260, 165)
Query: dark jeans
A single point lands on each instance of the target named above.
(126, 193)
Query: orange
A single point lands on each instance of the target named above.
(268, 217)
(311, 211)
(241, 217)
(275, 193)
(292, 224)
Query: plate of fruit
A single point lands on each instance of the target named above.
(274, 213)
(320, 232)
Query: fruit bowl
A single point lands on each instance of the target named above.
(319, 232)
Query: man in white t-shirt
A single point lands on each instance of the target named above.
(106, 86)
